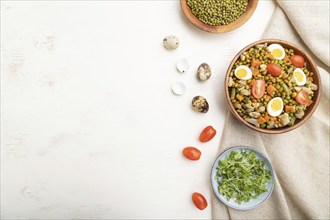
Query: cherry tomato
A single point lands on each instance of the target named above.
(192, 153)
(302, 98)
(258, 88)
(207, 134)
(298, 60)
(199, 200)
(274, 69)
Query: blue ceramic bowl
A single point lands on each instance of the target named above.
(253, 203)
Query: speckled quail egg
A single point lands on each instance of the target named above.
(275, 106)
(200, 104)
(299, 77)
(277, 51)
(204, 72)
(243, 72)
(171, 42)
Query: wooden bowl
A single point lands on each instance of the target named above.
(251, 7)
(309, 64)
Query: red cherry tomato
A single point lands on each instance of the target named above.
(199, 201)
(274, 69)
(258, 88)
(192, 153)
(302, 98)
(298, 60)
(207, 134)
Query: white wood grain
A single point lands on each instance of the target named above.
(90, 127)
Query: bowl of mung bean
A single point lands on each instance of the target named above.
(218, 16)
(272, 86)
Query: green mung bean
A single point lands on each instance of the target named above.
(217, 12)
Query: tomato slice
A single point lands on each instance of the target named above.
(207, 134)
(274, 69)
(258, 88)
(199, 200)
(192, 153)
(298, 60)
(302, 98)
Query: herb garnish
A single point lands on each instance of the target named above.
(242, 176)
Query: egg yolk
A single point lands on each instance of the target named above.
(241, 73)
(276, 105)
(299, 76)
(277, 52)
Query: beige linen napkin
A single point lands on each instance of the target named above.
(300, 157)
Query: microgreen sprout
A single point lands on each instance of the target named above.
(241, 176)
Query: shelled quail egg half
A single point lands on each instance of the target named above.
(178, 88)
(182, 65)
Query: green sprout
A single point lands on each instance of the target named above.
(241, 176)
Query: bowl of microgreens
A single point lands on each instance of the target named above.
(242, 178)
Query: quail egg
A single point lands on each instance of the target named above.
(275, 107)
(277, 51)
(200, 104)
(178, 88)
(299, 77)
(243, 72)
(182, 65)
(171, 42)
(204, 72)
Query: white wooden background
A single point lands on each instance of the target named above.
(89, 125)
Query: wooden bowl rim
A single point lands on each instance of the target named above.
(311, 108)
(252, 5)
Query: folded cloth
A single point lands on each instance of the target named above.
(300, 157)
(311, 22)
